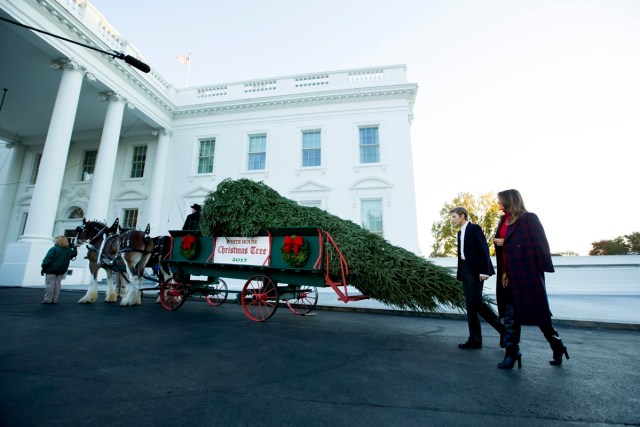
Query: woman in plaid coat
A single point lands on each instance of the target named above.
(523, 256)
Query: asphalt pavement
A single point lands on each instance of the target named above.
(71, 364)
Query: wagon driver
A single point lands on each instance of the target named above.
(193, 219)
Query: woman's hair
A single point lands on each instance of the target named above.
(62, 241)
(461, 212)
(513, 203)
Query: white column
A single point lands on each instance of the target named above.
(106, 161)
(21, 264)
(46, 193)
(10, 177)
(156, 193)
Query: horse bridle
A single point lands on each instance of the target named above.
(100, 232)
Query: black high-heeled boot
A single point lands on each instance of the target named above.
(511, 356)
(557, 346)
(511, 339)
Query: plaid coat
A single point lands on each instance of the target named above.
(527, 257)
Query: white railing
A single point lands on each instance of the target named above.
(296, 84)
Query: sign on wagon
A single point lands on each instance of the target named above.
(242, 250)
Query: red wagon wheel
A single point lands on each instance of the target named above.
(217, 293)
(173, 294)
(305, 300)
(259, 298)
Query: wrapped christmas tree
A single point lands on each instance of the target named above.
(378, 269)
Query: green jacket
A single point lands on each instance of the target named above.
(57, 260)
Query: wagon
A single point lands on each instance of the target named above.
(279, 266)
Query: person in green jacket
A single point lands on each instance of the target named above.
(55, 265)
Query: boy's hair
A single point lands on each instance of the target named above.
(62, 241)
(460, 211)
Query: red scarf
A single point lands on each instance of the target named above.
(502, 231)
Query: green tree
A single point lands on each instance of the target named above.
(633, 242)
(483, 210)
(617, 246)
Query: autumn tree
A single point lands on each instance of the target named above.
(483, 210)
(616, 246)
(623, 245)
(633, 242)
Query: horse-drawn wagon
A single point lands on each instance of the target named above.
(279, 265)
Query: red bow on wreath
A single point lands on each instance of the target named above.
(292, 242)
(187, 241)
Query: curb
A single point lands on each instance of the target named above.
(574, 323)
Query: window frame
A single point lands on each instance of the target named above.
(362, 203)
(135, 162)
(83, 165)
(250, 153)
(125, 217)
(304, 150)
(361, 146)
(35, 169)
(198, 156)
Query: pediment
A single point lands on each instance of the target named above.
(131, 195)
(197, 192)
(371, 183)
(310, 186)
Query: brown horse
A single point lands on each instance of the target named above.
(135, 249)
(128, 251)
(102, 248)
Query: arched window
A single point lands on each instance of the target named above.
(76, 213)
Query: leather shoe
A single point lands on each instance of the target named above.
(470, 345)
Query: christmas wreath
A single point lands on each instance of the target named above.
(190, 246)
(295, 251)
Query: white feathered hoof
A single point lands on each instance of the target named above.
(111, 297)
(131, 298)
(89, 298)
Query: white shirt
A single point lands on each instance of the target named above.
(462, 231)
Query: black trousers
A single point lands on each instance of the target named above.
(476, 307)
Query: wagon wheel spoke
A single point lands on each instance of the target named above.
(259, 298)
(173, 294)
(217, 293)
(305, 301)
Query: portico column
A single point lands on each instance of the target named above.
(156, 192)
(21, 265)
(8, 190)
(106, 161)
(46, 193)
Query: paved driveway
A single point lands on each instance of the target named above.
(101, 364)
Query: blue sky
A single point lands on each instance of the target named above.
(542, 96)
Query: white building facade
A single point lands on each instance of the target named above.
(86, 135)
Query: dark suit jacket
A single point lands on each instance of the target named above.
(476, 252)
(192, 222)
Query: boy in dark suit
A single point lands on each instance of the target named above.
(474, 267)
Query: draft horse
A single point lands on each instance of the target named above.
(129, 250)
(98, 236)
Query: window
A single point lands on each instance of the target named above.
(76, 213)
(130, 218)
(139, 159)
(257, 152)
(311, 203)
(205, 155)
(371, 211)
(311, 148)
(369, 145)
(23, 222)
(36, 169)
(88, 165)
